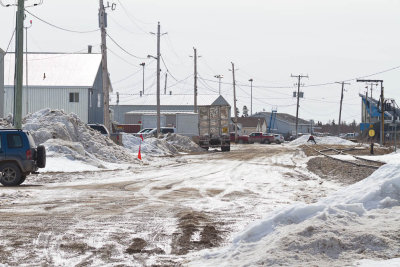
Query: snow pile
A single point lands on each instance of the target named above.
(182, 143)
(325, 140)
(65, 135)
(392, 158)
(6, 122)
(170, 144)
(343, 226)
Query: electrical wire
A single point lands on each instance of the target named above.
(123, 59)
(115, 42)
(130, 16)
(9, 43)
(178, 82)
(162, 59)
(58, 27)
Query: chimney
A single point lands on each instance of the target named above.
(89, 49)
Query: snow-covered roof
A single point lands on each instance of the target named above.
(168, 100)
(55, 69)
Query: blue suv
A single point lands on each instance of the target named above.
(19, 156)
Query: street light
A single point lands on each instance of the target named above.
(219, 77)
(143, 64)
(251, 97)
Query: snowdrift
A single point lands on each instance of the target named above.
(356, 222)
(66, 135)
(170, 144)
(325, 140)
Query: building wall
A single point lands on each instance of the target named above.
(120, 110)
(54, 98)
(1, 83)
(95, 100)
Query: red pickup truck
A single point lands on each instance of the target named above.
(262, 138)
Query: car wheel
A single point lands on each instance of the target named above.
(10, 175)
(240, 141)
(23, 177)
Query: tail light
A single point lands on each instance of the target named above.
(29, 154)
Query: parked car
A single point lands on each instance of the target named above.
(241, 139)
(278, 138)
(163, 130)
(101, 128)
(259, 137)
(19, 156)
(143, 132)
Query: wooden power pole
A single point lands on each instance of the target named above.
(234, 100)
(341, 102)
(298, 98)
(106, 81)
(18, 77)
(195, 79)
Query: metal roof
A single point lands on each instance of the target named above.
(55, 69)
(167, 100)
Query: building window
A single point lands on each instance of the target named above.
(73, 97)
(99, 100)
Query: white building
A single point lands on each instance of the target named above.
(70, 82)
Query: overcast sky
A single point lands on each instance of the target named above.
(268, 40)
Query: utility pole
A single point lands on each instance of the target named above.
(251, 96)
(19, 50)
(26, 65)
(158, 76)
(165, 85)
(143, 64)
(382, 101)
(341, 102)
(234, 100)
(298, 98)
(195, 79)
(106, 81)
(219, 77)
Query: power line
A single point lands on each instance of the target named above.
(58, 27)
(123, 49)
(9, 43)
(130, 16)
(162, 59)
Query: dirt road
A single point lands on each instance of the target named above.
(160, 214)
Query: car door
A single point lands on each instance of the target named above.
(2, 149)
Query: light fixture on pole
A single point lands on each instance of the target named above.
(251, 96)
(143, 64)
(219, 77)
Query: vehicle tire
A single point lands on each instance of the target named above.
(41, 156)
(23, 177)
(240, 141)
(10, 174)
(225, 148)
(206, 148)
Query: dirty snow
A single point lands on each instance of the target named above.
(325, 140)
(355, 220)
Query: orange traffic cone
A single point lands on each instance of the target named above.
(139, 156)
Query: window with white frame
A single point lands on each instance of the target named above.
(99, 100)
(73, 97)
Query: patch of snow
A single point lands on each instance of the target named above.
(333, 225)
(392, 158)
(379, 263)
(65, 134)
(325, 140)
(343, 157)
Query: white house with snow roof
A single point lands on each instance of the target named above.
(169, 103)
(70, 82)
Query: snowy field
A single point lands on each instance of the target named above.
(96, 204)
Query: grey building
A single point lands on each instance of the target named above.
(70, 82)
(169, 104)
(286, 124)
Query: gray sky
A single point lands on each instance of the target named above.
(268, 40)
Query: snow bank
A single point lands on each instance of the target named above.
(319, 230)
(325, 140)
(170, 144)
(392, 158)
(66, 135)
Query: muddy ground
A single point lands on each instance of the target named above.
(338, 171)
(159, 216)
